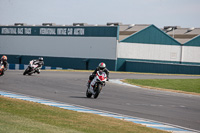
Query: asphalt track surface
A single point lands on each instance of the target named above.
(69, 87)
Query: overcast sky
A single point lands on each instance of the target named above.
(184, 13)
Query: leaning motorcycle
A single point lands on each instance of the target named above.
(1, 69)
(100, 81)
(30, 69)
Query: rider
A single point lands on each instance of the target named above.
(4, 62)
(102, 66)
(40, 63)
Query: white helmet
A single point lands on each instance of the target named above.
(40, 59)
(102, 65)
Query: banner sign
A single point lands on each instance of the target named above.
(59, 31)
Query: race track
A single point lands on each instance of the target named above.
(69, 87)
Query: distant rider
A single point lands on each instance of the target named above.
(4, 62)
(102, 66)
(40, 63)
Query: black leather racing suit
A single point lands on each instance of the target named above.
(39, 63)
(98, 69)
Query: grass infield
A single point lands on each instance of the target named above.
(18, 116)
(184, 85)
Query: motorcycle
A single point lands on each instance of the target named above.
(32, 68)
(1, 69)
(100, 81)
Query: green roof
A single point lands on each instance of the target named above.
(151, 35)
(194, 42)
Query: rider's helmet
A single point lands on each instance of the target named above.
(102, 65)
(4, 58)
(40, 59)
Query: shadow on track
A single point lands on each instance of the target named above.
(78, 97)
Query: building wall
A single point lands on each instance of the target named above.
(78, 47)
(153, 58)
(191, 51)
(149, 51)
(191, 55)
(83, 50)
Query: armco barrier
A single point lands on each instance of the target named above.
(151, 67)
(23, 66)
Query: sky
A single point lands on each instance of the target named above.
(184, 13)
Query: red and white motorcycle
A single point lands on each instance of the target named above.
(99, 81)
(31, 68)
(1, 68)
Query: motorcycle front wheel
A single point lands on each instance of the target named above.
(88, 94)
(26, 71)
(97, 90)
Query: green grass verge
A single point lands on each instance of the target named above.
(187, 85)
(18, 116)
